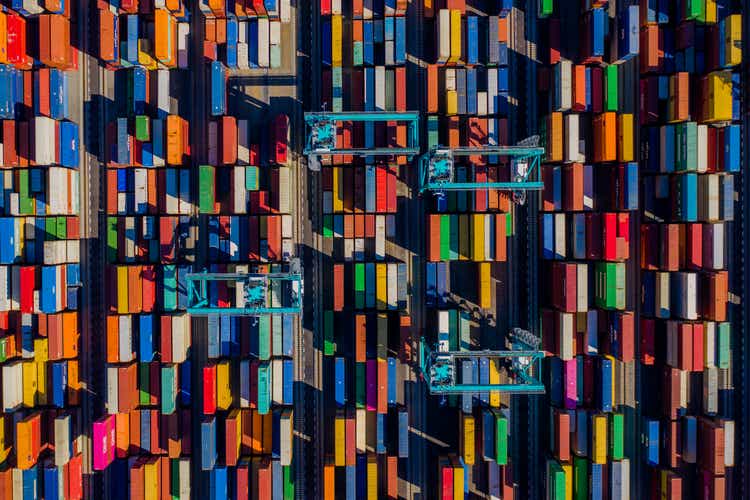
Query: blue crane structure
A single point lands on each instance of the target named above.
(257, 294)
(322, 128)
(522, 363)
(437, 168)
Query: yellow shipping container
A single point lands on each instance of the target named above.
(4, 449)
(710, 14)
(144, 58)
(613, 378)
(30, 383)
(372, 477)
(494, 379)
(451, 102)
(477, 230)
(122, 289)
(458, 481)
(468, 427)
(599, 426)
(151, 479)
(568, 471)
(625, 137)
(337, 58)
(464, 244)
(733, 39)
(555, 137)
(41, 383)
(455, 36)
(381, 285)
(223, 385)
(485, 285)
(339, 441)
(719, 101)
(3, 38)
(338, 190)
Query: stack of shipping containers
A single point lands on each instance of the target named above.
(244, 207)
(690, 141)
(249, 34)
(364, 69)
(143, 438)
(589, 203)
(41, 421)
(469, 103)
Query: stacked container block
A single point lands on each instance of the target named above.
(691, 150)
(366, 330)
(143, 439)
(41, 428)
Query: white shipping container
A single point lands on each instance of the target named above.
(444, 36)
(287, 249)
(390, 52)
(5, 289)
(380, 88)
(62, 439)
(710, 390)
(140, 184)
(180, 337)
(284, 188)
(125, 337)
(113, 392)
(286, 226)
(185, 464)
(450, 79)
(44, 145)
(360, 417)
(162, 77)
(263, 45)
(33, 6)
(240, 193)
(620, 479)
(336, 7)
(274, 33)
(55, 252)
(285, 14)
(242, 32)
(12, 385)
(560, 235)
(661, 298)
(566, 334)
(702, 148)
(392, 287)
(582, 289)
(172, 191)
(379, 237)
(713, 246)
(359, 249)
(183, 36)
(728, 442)
(482, 103)
(708, 197)
(285, 437)
(348, 249)
(564, 84)
(17, 478)
(277, 379)
(572, 150)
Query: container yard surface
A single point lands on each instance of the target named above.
(199, 301)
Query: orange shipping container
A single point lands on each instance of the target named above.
(554, 137)
(432, 88)
(54, 41)
(175, 146)
(28, 441)
(165, 38)
(605, 137)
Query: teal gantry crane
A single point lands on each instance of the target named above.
(257, 293)
(522, 362)
(322, 128)
(437, 169)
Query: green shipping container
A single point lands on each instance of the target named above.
(358, 58)
(111, 239)
(264, 338)
(694, 9)
(276, 334)
(4, 349)
(25, 201)
(61, 228)
(610, 90)
(264, 400)
(142, 128)
(433, 136)
(686, 147)
(445, 237)
(360, 394)
(501, 439)
(723, 344)
(580, 478)
(288, 482)
(168, 384)
(144, 380)
(453, 330)
(545, 8)
(252, 181)
(206, 191)
(610, 285)
(616, 441)
(555, 481)
(329, 346)
(170, 287)
(359, 285)
(327, 226)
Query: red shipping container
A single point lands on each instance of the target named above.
(562, 435)
(242, 483)
(74, 473)
(16, 29)
(27, 275)
(670, 245)
(10, 157)
(609, 236)
(281, 139)
(209, 390)
(685, 339)
(391, 189)
(381, 202)
(148, 284)
(480, 197)
(698, 350)
(693, 246)
(273, 223)
(360, 338)
(338, 287)
(392, 476)
(228, 140)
